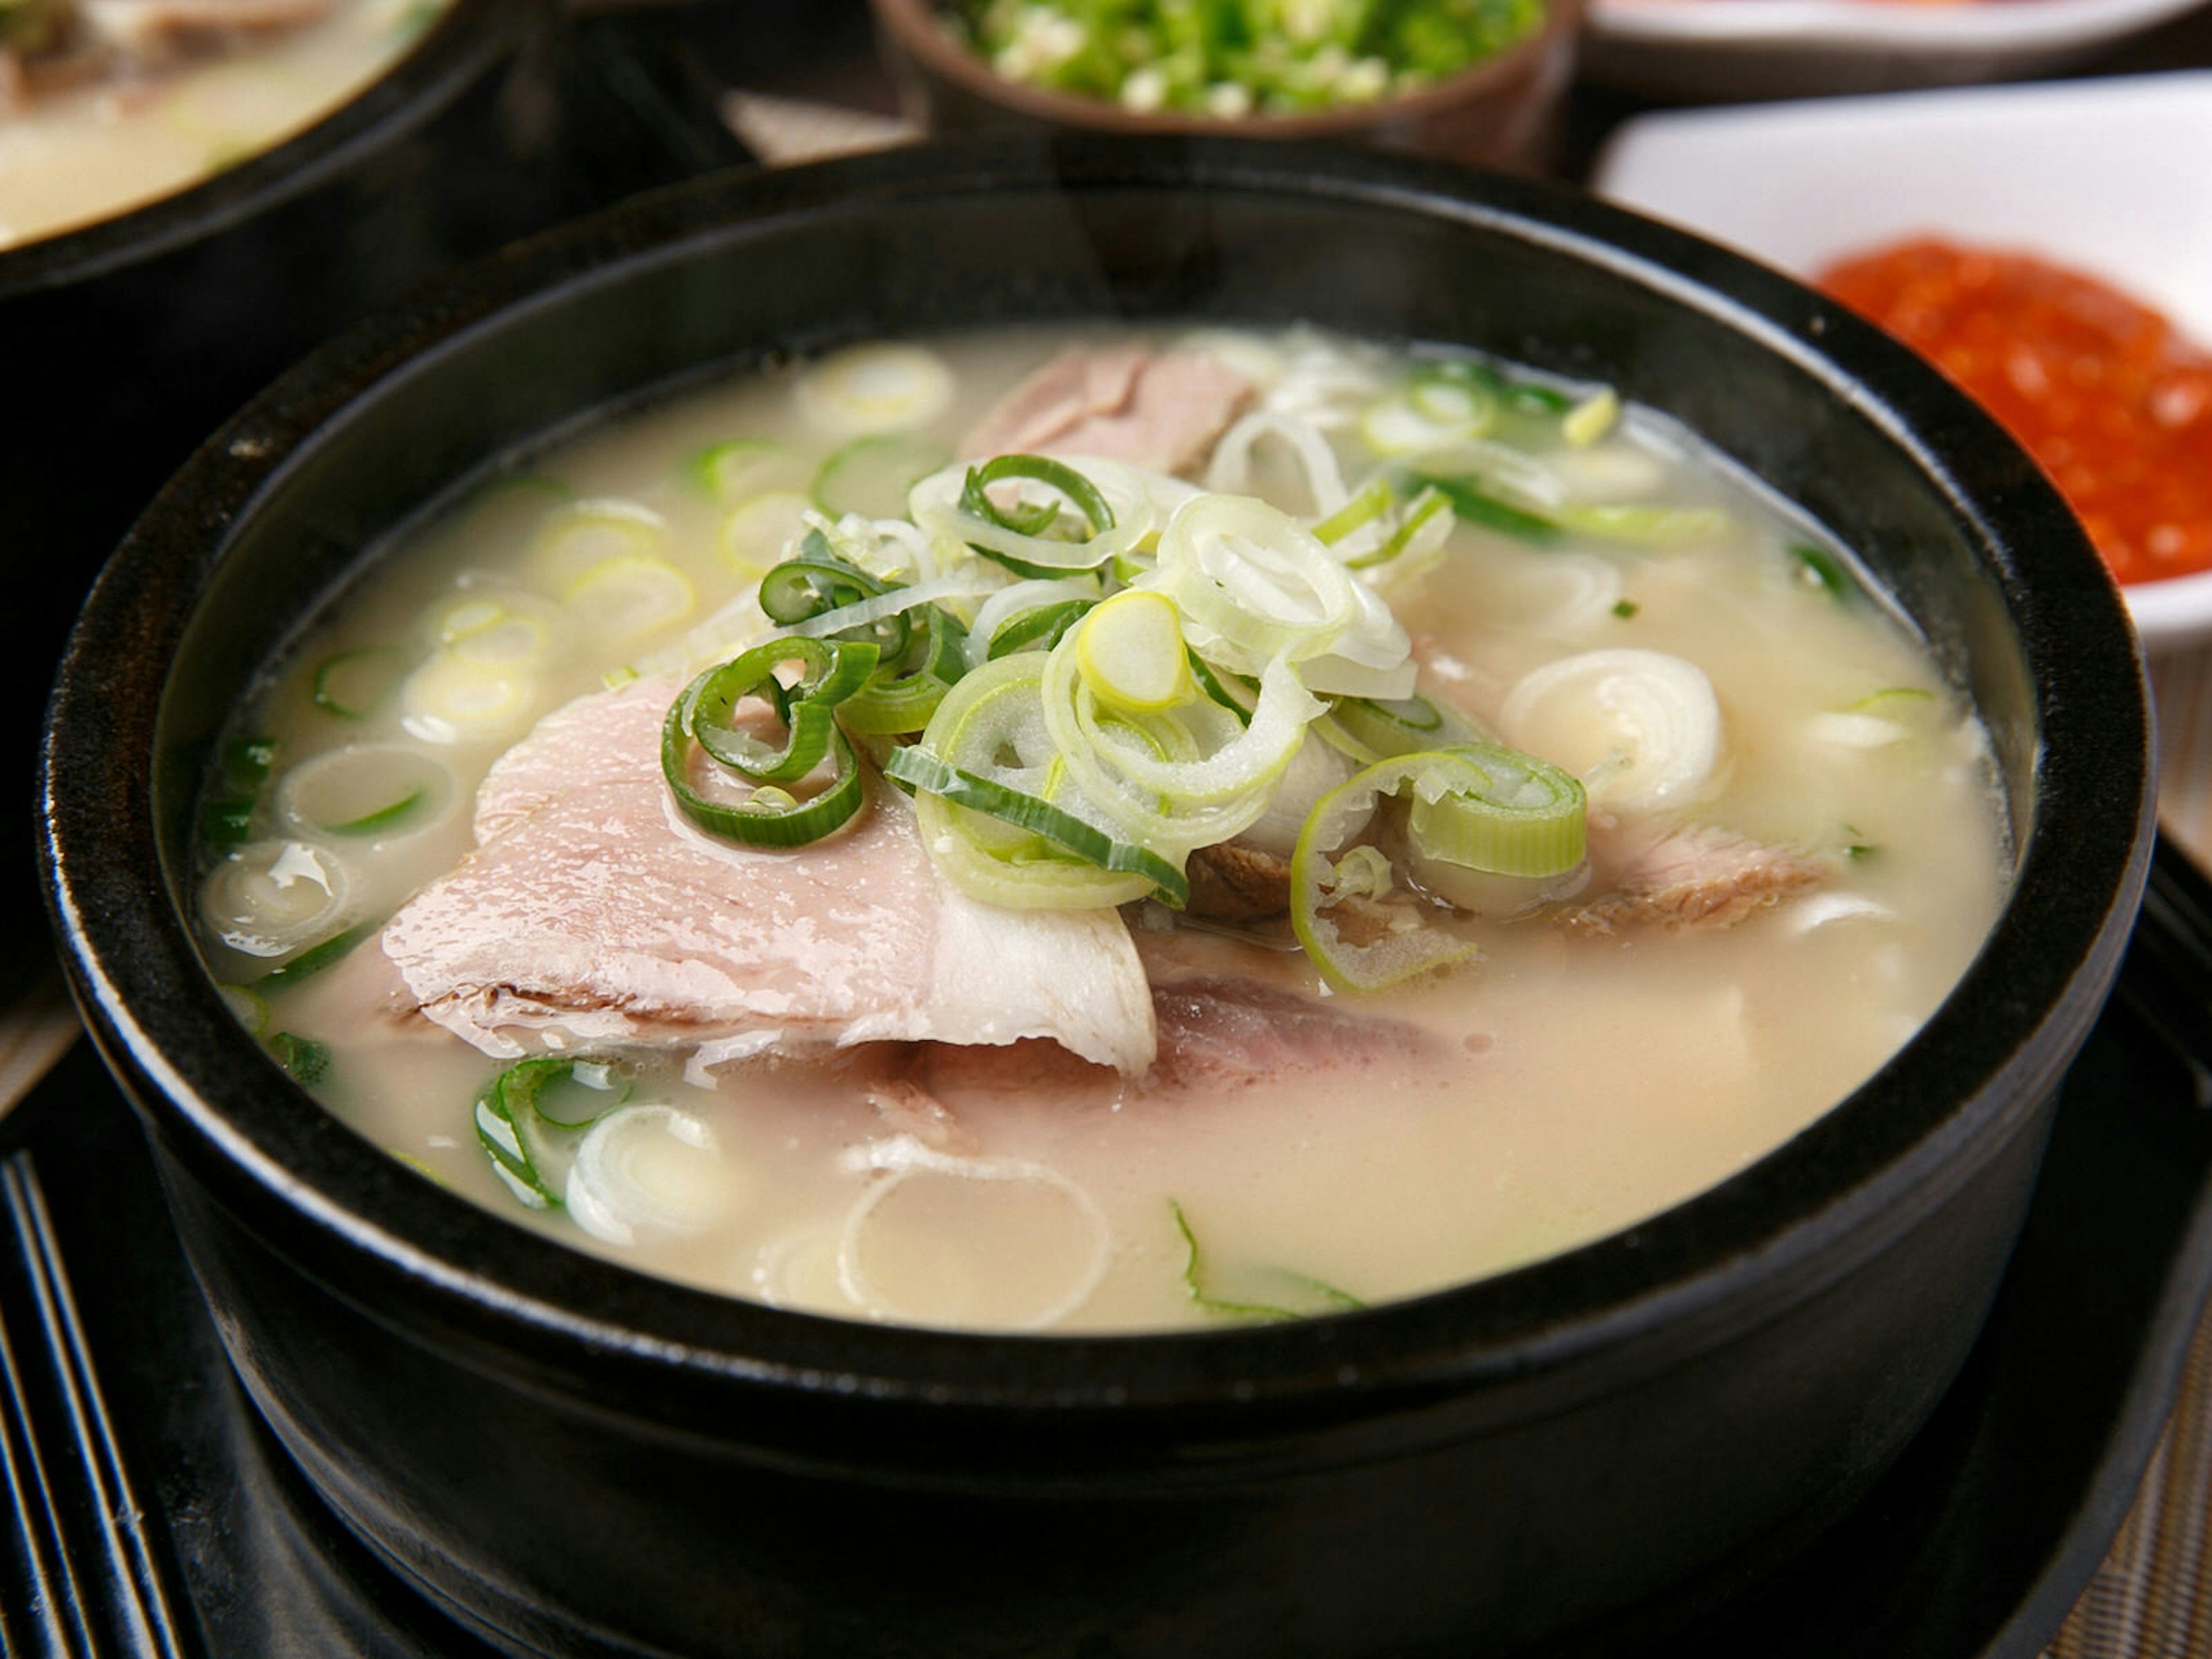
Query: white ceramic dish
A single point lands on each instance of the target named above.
(1730, 48)
(2111, 177)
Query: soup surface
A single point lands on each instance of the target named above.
(1473, 820)
(107, 104)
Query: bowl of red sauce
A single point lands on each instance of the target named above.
(2112, 400)
(2049, 248)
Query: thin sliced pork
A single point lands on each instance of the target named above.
(1697, 876)
(1159, 409)
(592, 915)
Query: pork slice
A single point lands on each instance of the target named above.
(1695, 877)
(1162, 411)
(1228, 1012)
(1220, 1032)
(592, 914)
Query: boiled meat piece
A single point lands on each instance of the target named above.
(1218, 1032)
(592, 915)
(1697, 876)
(1158, 409)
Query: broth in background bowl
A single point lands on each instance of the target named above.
(108, 107)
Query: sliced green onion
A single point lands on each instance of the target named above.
(831, 673)
(310, 961)
(249, 1008)
(513, 1158)
(1818, 567)
(227, 821)
(1370, 504)
(1502, 812)
(882, 386)
(1040, 630)
(627, 598)
(742, 469)
(1081, 493)
(848, 620)
(1344, 812)
(307, 1060)
(1641, 524)
(757, 532)
(916, 766)
(1238, 697)
(1421, 512)
(1592, 418)
(1132, 654)
(1111, 502)
(1313, 1296)
(585, 534)
(1380, 727)
(1625, 609)
(246, 762)
(383, 817)
(903, 698)
(364, 790)
(770, 817)
(351, 685)
(522, 1087)
(872, 476)
(1477, 507)
(447, 701)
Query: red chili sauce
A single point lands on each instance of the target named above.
(2100, 390)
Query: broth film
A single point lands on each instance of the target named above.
(1099, 831)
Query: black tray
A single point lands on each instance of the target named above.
(154, 1514)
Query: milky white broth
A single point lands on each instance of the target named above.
(1578, 1084)
(71, 156)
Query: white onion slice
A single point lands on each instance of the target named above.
(905, 1167)
(629, 599)
(1567, 593)
(935, 505)
(759, 532)
(882, 387)
(1316, 769)
(648, 1170)
(380, 792)
(447, 701)
(1642, 729)
(575, 537)
(271, 898)
(1232, 468)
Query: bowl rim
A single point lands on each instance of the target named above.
(464, 39)
(1856, 1178)
(912, 25)
(1845, 26)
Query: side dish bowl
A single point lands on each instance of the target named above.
(1488, 113)
(2097, 176)
(575, 1460)
(1721, 51)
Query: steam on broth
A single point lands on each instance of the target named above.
(107, 104)
(1454, 820)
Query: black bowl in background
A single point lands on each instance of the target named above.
(575, 1460)
(130, 338)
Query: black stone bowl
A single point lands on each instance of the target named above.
(575, 1460)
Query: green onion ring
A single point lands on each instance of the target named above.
(834, 671)
(918, 767)
(1081, 493)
